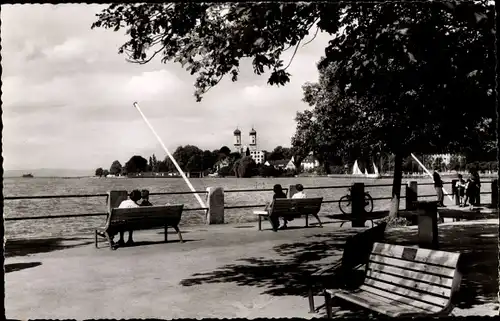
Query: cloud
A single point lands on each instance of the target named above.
(68, 94)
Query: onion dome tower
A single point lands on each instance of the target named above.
(237, 140)
(253, 139)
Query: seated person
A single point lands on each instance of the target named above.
(300, 192)
(131, 202)
(145, 198)
(278, 193)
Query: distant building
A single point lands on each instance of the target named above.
(278, 164)
(257, 155)
(310, 162)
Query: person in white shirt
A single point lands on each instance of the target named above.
(131, 202)
(300, 192)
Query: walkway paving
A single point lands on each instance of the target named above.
(220, 272)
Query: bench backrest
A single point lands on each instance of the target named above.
(144, 217)
(421, 277)
(358, 247)
(284, 206)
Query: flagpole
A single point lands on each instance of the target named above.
(429, 173)
(198, 198)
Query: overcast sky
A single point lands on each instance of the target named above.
(68, 94)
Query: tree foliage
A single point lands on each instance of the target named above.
(99, 172)
(136, 164)
(116, 168)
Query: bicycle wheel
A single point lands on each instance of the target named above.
(368, 203)
(345, 204)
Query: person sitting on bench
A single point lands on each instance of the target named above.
(145, 198)
(131, 202)
(300, 194)
(278, 193)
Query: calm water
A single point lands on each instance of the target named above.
(85, 225)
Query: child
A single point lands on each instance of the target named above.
(145, 198)
(470, 192)
(461, 184)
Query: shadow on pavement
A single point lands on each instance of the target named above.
(284, 275)
(13, 267)
(24, 247)
(146, 243)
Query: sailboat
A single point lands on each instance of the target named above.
(355, 169)
(375, 174)
(357, 172)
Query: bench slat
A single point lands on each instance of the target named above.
(419, 276)
(447, 272)
(441, 258)
(423, 288)
(391, 297)
(406, 292)
(373, 303)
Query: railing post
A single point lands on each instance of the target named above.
(411, 195)
(291, 190)
(115, 198)
(215, 204)
(494, 193)
(427, 225)
(358, 204)
(455, 191)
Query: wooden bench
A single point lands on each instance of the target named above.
(356, 253)
(404, 281)
(140, 218)
(291, 208)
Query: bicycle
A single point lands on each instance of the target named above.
(345, 203)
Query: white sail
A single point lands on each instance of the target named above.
(375, 169)
(355, 169)
(366, 172)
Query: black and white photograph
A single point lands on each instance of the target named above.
(250, 160)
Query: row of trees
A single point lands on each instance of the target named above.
(192, 159)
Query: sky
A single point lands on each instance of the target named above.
(68, 95)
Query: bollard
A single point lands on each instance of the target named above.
(494, 193)
(215, 204)
(411, 195)
(427, 225)
(291, 191)
(115, 198)
(358, 204)
(455, 191)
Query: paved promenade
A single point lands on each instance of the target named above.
(221, 272)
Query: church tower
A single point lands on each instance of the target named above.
(237, 140)
(253, 140)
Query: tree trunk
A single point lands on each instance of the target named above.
(396, 184)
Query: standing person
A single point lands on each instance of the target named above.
(460, 186)
(477, 181)
(438, 186)
(278, 193)
(470, 191)
(131, 202)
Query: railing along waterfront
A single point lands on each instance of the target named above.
(7, 198)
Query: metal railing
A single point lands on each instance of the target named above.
(202, 192)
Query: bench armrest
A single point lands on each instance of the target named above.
(261, 212)
(321, 271)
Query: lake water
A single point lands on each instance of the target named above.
(86, 225)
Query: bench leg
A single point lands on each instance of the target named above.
(166, 234)
(260, 222)
(110, 241)
(328, 304)
(307, 220)
(179, 233)
(311, 300)
(319, 221)
(96, 240)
